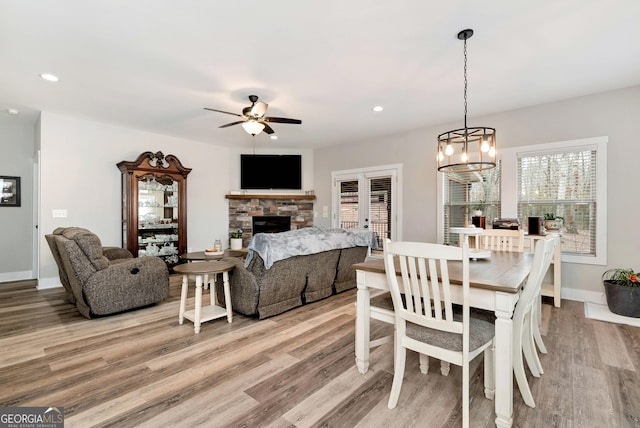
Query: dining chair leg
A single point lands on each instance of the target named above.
(465, 394)
(398, 374)
(518, 371)
(529, 347)
(424, 363)
(537, 335)
(490, 372)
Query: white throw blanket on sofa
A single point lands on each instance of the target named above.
(310, 240)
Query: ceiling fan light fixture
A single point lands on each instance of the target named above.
(469, 148)
(253, 127)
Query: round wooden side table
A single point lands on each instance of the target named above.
(201, 272)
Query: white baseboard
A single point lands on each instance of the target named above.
(16, 276)
(584, 295)
(52, 282)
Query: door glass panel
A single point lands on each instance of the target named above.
(380, 208)
(349, 207)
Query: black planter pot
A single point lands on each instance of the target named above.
(622, 300)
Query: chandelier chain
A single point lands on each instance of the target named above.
(465, 83)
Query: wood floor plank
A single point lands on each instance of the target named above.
(315, 407)
(587, 411)
(623, 386)
(611, 347)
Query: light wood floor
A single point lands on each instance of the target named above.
(142, 369)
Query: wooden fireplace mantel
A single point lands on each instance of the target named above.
(272, 196)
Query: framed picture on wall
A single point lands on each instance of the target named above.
(9, 191)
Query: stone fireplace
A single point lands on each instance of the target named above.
(243, 209)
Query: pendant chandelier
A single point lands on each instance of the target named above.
(467, 149)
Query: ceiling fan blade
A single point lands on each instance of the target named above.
(267, 129)
(222, 111)
(232, 123)
(282, 120)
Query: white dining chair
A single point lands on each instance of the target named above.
(525, 319)
(381, 309)
(433, 329)
(500, 240)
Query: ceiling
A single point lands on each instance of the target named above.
(155, 64)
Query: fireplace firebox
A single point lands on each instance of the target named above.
(271, 224)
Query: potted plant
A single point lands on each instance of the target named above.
(622, 288)
(552, 221)
(477, 209)
(236, 239)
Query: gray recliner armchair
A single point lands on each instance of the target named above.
(105, 280)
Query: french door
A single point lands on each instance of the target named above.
(368, 198)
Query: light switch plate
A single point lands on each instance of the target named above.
(59, 213)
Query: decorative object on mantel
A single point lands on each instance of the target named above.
(467, 149)
(236, 240)
(622, 288)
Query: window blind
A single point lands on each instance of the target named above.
(464, 193)
(562, 183)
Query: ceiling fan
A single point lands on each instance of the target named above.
(253, 117)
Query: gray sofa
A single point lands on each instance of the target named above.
(258, 290)
(105, 280)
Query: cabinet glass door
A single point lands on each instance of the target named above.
(158, 217)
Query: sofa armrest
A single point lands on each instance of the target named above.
(244, 288)
(115, 253)
(127, 284)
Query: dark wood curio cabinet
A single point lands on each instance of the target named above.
(154, 206)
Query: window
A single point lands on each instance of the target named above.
(564, 185)
(465, 193)
(566, 178)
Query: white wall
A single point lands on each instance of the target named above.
(16, 159)
(613, 114)
(79, 174)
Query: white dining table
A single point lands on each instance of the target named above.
(495, 284)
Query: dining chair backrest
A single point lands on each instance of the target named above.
(419, 270)
(501, 240)
(542, 256)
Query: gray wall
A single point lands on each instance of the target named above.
(16, 159)
(613, 114)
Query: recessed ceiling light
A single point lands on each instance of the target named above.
(378, 108)
(13, 111)
(274, 137)
(50, 77)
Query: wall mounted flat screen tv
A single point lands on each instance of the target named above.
(271, 172)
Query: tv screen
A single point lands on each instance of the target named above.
(271, 172)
